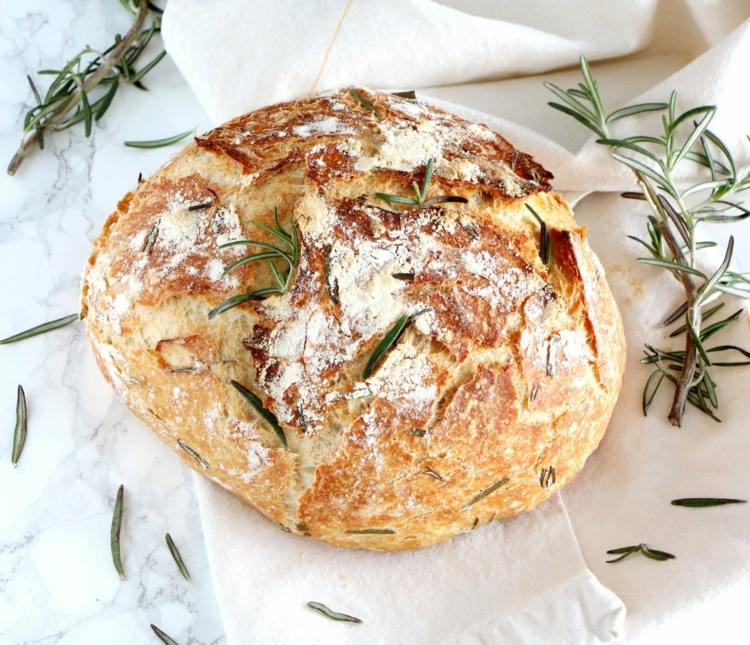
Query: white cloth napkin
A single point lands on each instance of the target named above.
(522, 581)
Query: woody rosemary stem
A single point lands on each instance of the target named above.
(92, 81)
(685, 381)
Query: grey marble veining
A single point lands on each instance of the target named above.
(57, 582)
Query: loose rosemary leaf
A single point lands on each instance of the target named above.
(164, 638)
(333, 615)
(159, 143)
(267, 415)
(19, 434)
(176, 556)
(703, 502)
(40, 329)
(114, 533)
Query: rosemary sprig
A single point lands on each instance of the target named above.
(288, 250)
(420, 194)
(703, 502)
(114, 533)
(266, 414)
(672, 227)
(176, 556)
(653, 554)
(159, 143)
(40, 329)
(333, 615)
(163, 637)
(68, 99)
(19, 434)
(545, 240)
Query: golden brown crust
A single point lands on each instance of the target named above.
(491, 400)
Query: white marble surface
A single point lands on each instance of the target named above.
(57, 582)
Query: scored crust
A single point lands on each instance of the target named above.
(490, 401)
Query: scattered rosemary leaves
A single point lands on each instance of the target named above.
(176, 556)
(114, 533)
(266, 414)
(69, 100)
(333, 615)
(164, 638)
(288, 251)
(545, 241)
(653, 554)
(672, 242)
(159, 143)
(487, 491)
(703, 502)
(40, 329)
(19, 434)
(420, 198)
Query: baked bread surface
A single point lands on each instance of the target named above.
(490, 401)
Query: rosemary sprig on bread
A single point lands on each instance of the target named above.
(673, 242)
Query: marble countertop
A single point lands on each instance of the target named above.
(57, 582)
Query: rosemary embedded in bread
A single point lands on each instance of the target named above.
(420, 198)
(372, 532)
(547, 477)
(193, 453)
(703, 502)
(266, 414)
(40, 329)
(19, 434)
(653, 554)
(288, 252)
(672, 226)
(177, 556)
(68, 99)
(114, 533)
(333, 615)
(159, 143)
(487, 491)
(545, 241)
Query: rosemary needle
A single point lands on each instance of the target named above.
(257, 404)
(333, 615)
(159, 143)
(164, 638)
(702, 502)
(114, 533)
(40, 329)
(19, 435)
(177, 557)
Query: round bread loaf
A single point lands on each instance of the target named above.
(434, 360)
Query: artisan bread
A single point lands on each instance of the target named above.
(307, 403)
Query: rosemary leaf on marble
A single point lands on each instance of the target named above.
(159, 143)
(40, 329)
(333, 615)
(703, 502)
(545, 241)
(70, 97)
(176, 556)
(420, 194)
(653, 554)
(164, 638)
(266, 414)
(114, 533)
(19, 434)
